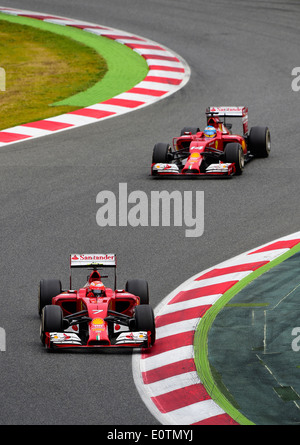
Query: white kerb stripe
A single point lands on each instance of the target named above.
(156, 52)
(72, 119)
(165, 358)
(219, 279)
(188, 304)
(107, 107)
(173, 383)
(175, 328)
(166, 63)
(193, 413)
(28, 131)
(155, 86)
(167, 74)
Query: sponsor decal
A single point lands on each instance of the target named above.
(94, 257)
(98, 324)
(196, 147)
(97, 311)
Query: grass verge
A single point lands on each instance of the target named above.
(52, 69)
(41, 68)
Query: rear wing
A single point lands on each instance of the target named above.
(92, 260)
(230, 112)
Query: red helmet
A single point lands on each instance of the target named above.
(97, 288)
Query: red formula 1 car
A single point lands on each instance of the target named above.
(214, 151)
(95, 316)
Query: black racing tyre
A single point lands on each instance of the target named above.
(47, 290)
(234, 153)
(259, 142)
(144, 321)
(138, 288)
(51, 320)
(161, 153)
(192, 130)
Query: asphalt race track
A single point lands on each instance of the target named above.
(240, 53)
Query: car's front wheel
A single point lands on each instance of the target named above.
(51, 321)
(144, 321)
(161, 153)
(234, 154)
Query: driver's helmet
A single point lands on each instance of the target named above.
(97, 288)
(210, 132)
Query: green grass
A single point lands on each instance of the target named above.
(42, 68)
(53, 69)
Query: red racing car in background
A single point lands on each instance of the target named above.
(95, 315)
(214, 151)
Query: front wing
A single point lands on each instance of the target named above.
(64, 340)
(220, 169)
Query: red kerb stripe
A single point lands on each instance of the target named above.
(158, 79)
(40, 17)
(205, 291)
(6, 136)
(160, 57)
(221, 419)
(164, 372)
(166, 68)
(232, 269)
(144, 46)
(147, 91)
(48, 125)
(86, 26)
(90, 112)
(120, 37)
(180, 398)
(285, 244)
(123, 103)
(169, 343)
(186, 314)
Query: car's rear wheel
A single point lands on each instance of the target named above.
(234, 154)
(259, 142)
(139, 288)
(47, 290)
(144, 321)
(161, 153)
(51, 320)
